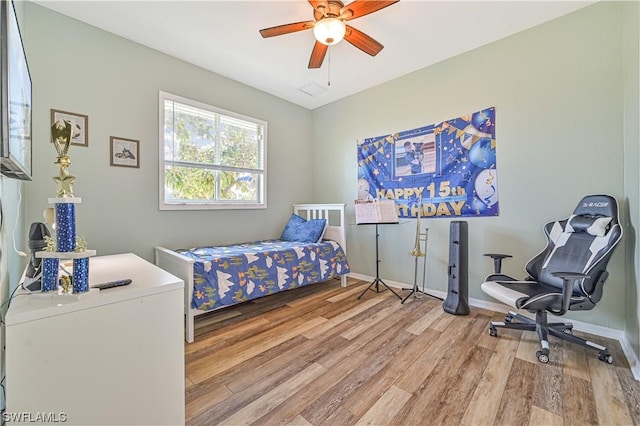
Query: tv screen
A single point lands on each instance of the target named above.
(15, 98)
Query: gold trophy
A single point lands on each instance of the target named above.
(66, 245)
(61, 133)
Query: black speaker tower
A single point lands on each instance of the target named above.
(457, 301)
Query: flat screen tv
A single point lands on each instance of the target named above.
(15, 98)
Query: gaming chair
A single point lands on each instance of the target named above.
(568, 275)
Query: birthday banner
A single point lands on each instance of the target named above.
(444, 170)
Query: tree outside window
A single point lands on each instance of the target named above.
(210, 158)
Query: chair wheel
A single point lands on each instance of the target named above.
(492, 331)
(542, 357)
(508, 318)
(567, 331)
(604, 356)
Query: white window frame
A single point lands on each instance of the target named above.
(210, 205)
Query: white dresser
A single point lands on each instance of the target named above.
(116, 358)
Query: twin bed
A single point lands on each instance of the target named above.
(219, 276)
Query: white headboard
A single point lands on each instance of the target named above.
(334, 213)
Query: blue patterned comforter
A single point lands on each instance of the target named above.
(226, 275)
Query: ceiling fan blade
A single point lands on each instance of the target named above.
(362, 41)
(317, 55)
(286, 29)
(321, 6)
(360, 8)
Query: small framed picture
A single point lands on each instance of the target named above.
(125, 152)
(80, 124)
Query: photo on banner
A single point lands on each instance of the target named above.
(444, 170)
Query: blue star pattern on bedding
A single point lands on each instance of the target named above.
(227, 275)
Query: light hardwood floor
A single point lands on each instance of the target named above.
(318, 356)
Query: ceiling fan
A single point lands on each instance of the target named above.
(329, 26)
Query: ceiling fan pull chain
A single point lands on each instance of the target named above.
(329, 69)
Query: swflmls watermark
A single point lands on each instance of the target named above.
(28, 417)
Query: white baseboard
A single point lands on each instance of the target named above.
(632, 357)
(597, 330)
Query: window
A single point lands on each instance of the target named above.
(210, 158)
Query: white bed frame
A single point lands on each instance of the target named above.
(182, 266)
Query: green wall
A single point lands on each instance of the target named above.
(631, 62)
(558, 93)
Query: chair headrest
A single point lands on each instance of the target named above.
(594, 215)
(597, 226)
(597, 206)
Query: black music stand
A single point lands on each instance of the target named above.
(377, 281)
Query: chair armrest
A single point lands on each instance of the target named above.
(568, 278)
(497, 260)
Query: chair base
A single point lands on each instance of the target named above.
(562, 330)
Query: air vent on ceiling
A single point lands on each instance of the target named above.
(313, 89)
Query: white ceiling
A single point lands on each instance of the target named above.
(222, 36)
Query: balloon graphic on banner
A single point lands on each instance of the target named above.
(482, 154)
(483, 120)
(478, 206)
(363, 190)
(486, 186)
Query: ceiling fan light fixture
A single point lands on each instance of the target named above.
(329, 31)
